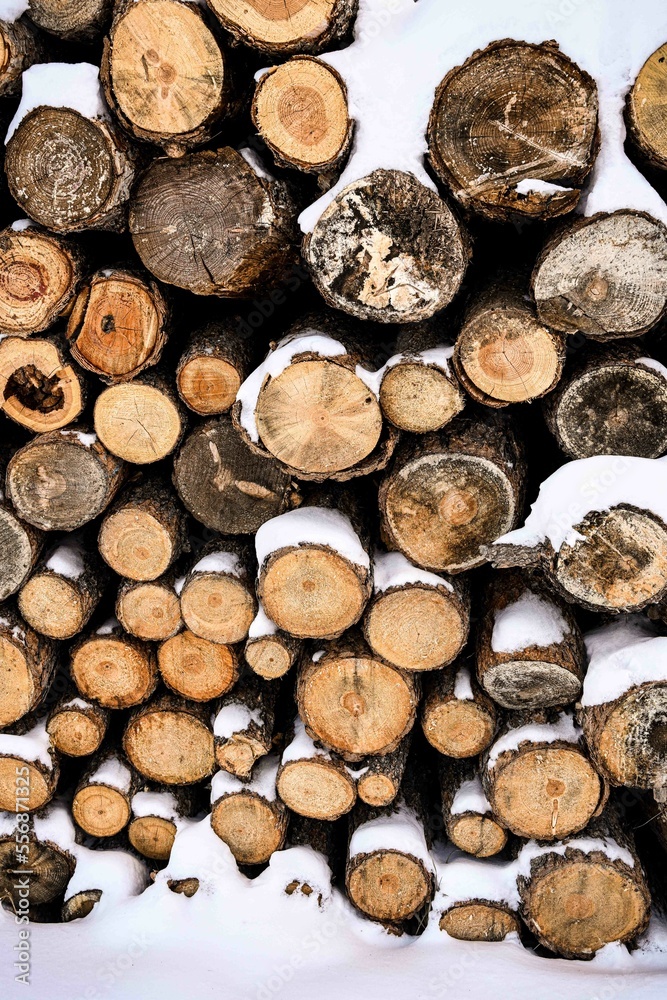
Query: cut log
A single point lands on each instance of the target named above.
(68, 172)
(644, 113)
(468, 816)
(416, 620)
(164, 74)
(112, 668)
(300, 111)
(312, 781)
(20, 544)
(457, 717)
(61, 480)
(476, 900)
(503, 354)
(511, 118)
(156, 817)
(211, 369)
(354, 702)
(227, 487)
(587, 894)
(611, 401)
(195, 668)
(418, 390)
(48, 854)
(29, 767)
(74, 20)
(314, 572)
(101, 803)
(27, 663)
(20, 47)
(538, 778)
(380, 778)
(170, 741)
(39, 273)
(77, 726)
(144, 533)
(211, 223)
(218, 595)
(624, 704)
(243, 726)
(311, 405)
(150, 610)
(605, 276)
(248, 816)
(118, 324)
(114, 874)
(39, 390)
(141, 421)
(387, 249)
(268, 651)
(448, 494)
(285, 28)
(530, 653)
(389, 871)
(64, 590)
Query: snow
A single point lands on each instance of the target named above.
(470, 797)
(590, 484)
(234, 718)
(251, 158)
(652, 363)
(398, 831)
(67, 558)
(531, 850)
(261, 625)
(219, 562)
(11, 10)
(530, 185)
(564, 728)
(621, 656)
(422, 41)
(392, 569)
(178, 585)
(463, 878)
(22, 224)
(317, 655)
(532, 620)
(311, 526)
(108, 627)
(86, 439)
(118, 874)
(462, 685)
(60, 85)
(112, 772)
(262, 782)
(55, 823)
(77, 703)
(301, 747)
(162, 804)
(298, 864)
(33, 745)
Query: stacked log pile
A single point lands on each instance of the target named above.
(278, 572)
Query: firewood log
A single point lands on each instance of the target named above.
(164, 73)
(643, 110)
(41, 392)
(184, 210)
(539, 779)
(503, 354)
(218, 595)
(458, 719)
(39, 272)
(388, 249)
(269, 652)
(604, 276)
(141, 421)
(248, 815)
(300, 111)
(21, 45)
(74, 20)
(64, 589)
(227, 487)
(530, 653)
(76, 725)
(101, 803)
(491, 166)
(47, 853)
(27, 663)
(112, 668)
(296, 26)
(312, 781)
(466, 811)
(449, 493)
(61, 480)
(118, 323)
(582, 893)
(210, 371)
(416, 620)
(243, 726)
(157, 814)
(354, 702)
(379, 779)
(196, 668)
(476, 900)
(612, 400)
(29, 766)
(150, 609)
(20, 544)
(170, 740)
(144, 532)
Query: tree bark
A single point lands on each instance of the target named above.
(643, 112)
(112, 668)
(195, 668)
(244, 724)
(39, 274)
(550, 106)
(28, 662)
(20, 544)
(312, 781)
(51, 864)
(218, 596)
(77, 726)
(151, 609)
(211, 369)
(141, 421)
(248, 816)
(468, 817)
(298, 26)
(39, 390)
(29, 767)
(20, 46)
(458, 719)
(170, 740)
(73, 20)
(102, 799)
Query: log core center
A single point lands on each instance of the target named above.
(353, 703)
(35, 389)
(24, 282)
(457, 507)
(579, 906)
(555, 788)
(596, 287)
(657, 737)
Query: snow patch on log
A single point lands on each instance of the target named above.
(564, 728)
(161, 804)
(607, 845)
(78, 703)
(530, 621)
(67, 559)
(234, 718)
(462, 685)
(112, 772)
(470, 797)
(261, 625)
(108, 627)
(87, 439)
(621, 656)
(219, 562)
(253, 160)
(55, 823)
(655, 365)
(11, 10)
(262, 782)
(392, 569)
(33, 745)
(21, 225)
(311, 526)
(197, 852)
(119, 875)
(461, 879)
(397, 831)
(301, 746)
(60, 85)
